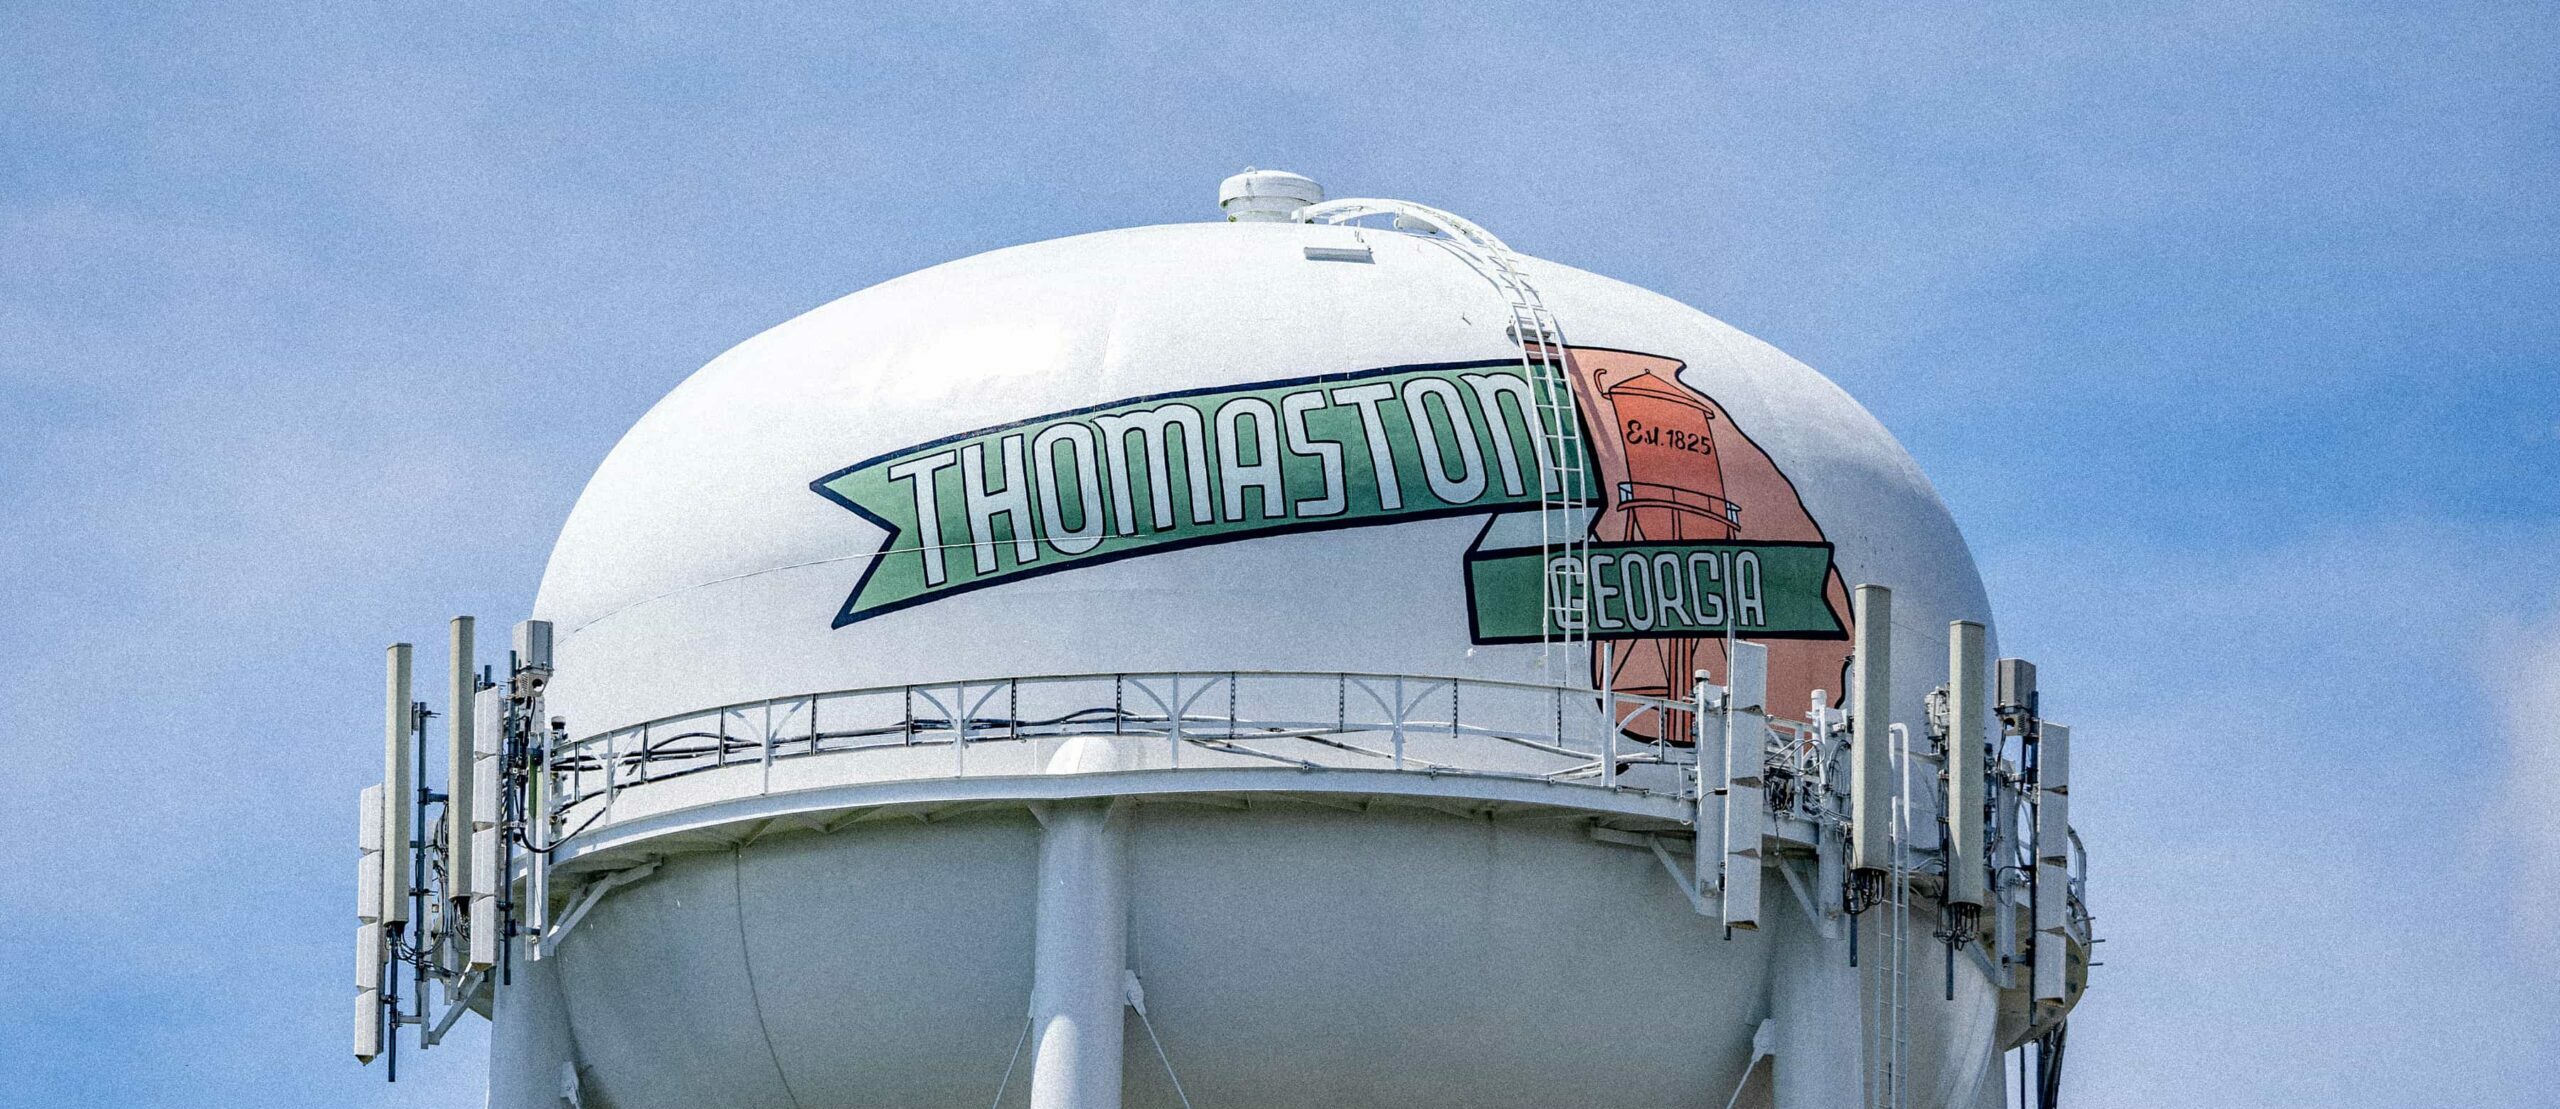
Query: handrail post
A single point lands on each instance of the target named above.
(1013, 720)
(1399, 733)
(1609, 710)
(960, 734)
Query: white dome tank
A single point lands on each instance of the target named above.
(1189, 592)
(689, 572)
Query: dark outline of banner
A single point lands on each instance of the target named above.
(845, 614)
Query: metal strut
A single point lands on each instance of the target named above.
(1138, 1000)
(1564, 636)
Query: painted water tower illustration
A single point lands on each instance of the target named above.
(1317, 657)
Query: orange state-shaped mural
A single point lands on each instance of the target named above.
(1674, 467)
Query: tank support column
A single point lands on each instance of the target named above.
(1079, 955)
(532, 1060)
(1813, 998)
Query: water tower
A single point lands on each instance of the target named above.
(1319, 657)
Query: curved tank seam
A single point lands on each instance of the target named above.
(628, 606)
(747, 959)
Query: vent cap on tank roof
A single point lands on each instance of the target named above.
(1266, 195)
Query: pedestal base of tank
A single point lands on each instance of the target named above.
(533, 1060)
(1813, 1010)
(1079, 955)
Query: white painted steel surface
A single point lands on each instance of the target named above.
(1294, 952)
(1433, 920)
(699, 569)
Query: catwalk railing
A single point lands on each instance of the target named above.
(1439, 726)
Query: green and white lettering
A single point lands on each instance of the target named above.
(1156, 473)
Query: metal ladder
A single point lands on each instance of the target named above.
(1564, 543)
(1565, 483)
(1891, 1088)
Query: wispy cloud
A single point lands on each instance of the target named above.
(2525, 827)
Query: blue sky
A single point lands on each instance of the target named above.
(2226, 329)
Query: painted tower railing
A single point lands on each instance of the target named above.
(1310, 721)
(452, 877)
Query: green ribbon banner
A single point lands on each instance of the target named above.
(1159, 473)
(1648, 590)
